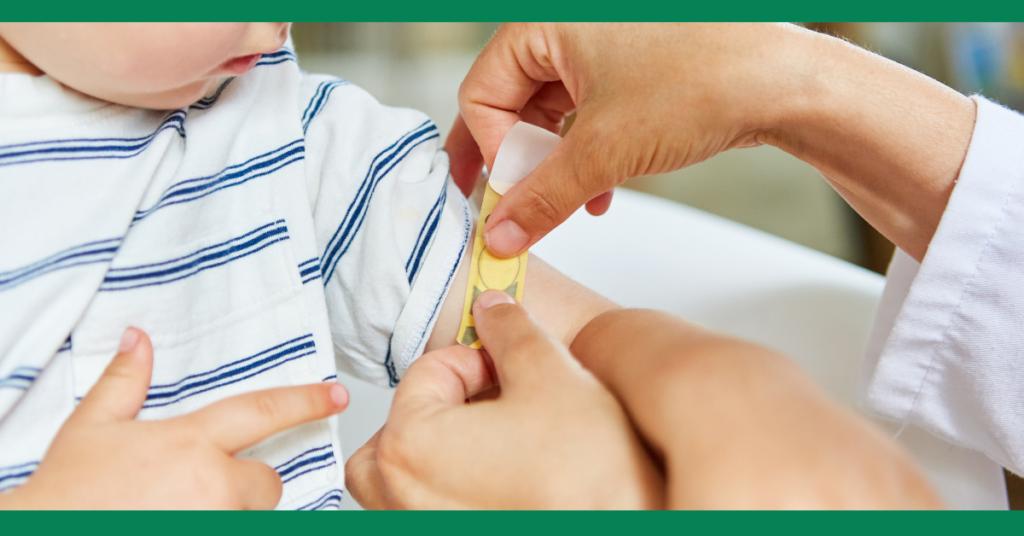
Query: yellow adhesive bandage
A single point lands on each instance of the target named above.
(489, 272)
(522, 150)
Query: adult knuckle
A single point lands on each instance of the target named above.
(543, 204)
(353, 483)
(464, 96)
(356, 473)
(392, 451)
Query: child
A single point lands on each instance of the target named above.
(270, 229)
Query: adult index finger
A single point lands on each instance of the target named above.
(239, 422)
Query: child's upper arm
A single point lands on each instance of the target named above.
(561, 305)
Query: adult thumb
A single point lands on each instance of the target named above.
(580, 168)
(524, 355)
(121, 390)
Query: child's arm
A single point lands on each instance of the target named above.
(737, 424)
(559, 304)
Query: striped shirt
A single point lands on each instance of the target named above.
(283, 228)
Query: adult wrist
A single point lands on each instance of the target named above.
(890, 140)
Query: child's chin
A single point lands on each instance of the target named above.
(173, 99)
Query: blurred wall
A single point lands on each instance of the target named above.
(421, 65)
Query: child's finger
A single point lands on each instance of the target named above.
(259, 485)
(447, 377)
(241, 421)
(121, 390)
(521, 351)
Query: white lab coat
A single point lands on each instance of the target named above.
(947, 349)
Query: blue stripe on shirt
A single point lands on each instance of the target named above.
(234, 372)
(87, 148)
(274, 58)
(328, 500)
(309, 270)
(311, 460)
(426, 234)
(381, 165)
(20, 378)
(13, 476)
(206, 102)
(389, 365)
(189, 265)
(99, 251)
(255, 167)
(319, 101)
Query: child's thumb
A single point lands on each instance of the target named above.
(121, 390)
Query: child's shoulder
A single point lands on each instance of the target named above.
(332, 106)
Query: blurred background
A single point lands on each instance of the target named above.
(420, 65)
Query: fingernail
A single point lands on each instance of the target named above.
(506, 239)
(491, 298)
(128, 340)
(339, 395)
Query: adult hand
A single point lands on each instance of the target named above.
(553, 438)
(740, 426)
(653, 98)
(104, 458)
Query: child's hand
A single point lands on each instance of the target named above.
(104, 458)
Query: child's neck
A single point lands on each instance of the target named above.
(11, 61)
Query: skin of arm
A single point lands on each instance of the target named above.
(740, 426)
(735, 425)
(890, 140)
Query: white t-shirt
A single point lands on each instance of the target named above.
(283, 229)
(947, 350)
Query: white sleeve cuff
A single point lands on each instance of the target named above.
(440, 263)
(947, 351)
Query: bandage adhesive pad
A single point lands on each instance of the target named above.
(522, 150)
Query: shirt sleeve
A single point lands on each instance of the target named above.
(391, 225)
(947, 351)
